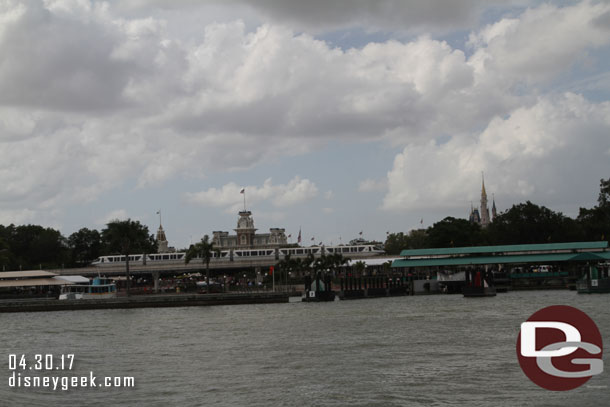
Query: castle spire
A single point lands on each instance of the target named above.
(162, 244)
(484, 210)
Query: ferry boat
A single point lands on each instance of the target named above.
(100, 288)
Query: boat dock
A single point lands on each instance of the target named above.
(143, 301)
(372, 287)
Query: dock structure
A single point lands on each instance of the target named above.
(372, 287)
(595, 280)
(145, 301)
(318, 290)
(521, 266)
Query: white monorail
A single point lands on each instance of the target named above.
(236, 255)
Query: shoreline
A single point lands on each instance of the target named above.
(149, 301)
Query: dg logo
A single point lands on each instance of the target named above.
(560, 348)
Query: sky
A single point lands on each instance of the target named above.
(337, 117)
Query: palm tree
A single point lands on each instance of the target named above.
(286, 265)
(203, 250)
(307, 263)
(338, 260)
(127, 237)
(330, 263)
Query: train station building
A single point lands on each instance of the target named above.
(245, 236)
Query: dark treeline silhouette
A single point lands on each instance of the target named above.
(31, 246)
(522, 224)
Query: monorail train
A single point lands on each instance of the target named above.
(237, 255)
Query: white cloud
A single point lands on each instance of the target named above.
(16, 216)
(294, 192)
(99, 97)
(274, 216)
(541, 43)
(372, 185)
(550, 152)
(117, 214)
(320, 16)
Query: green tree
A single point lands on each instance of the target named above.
(85, 246)
(4, 254)
(125, 238)
(286, 266)
(603, 200)
(528, 223)
(329, 263)
(452, 232)
(418, 239)
(203, 250)
(595, 222)
(305, 265)
(397, 242)
(33, 246)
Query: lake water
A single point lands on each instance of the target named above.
(441, 350)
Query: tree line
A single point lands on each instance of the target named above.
(28, 247)
(326, 263)
(525, 223)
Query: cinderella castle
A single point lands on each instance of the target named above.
(482, 218)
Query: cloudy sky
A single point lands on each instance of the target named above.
(336, 116)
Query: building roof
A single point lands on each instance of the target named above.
(75, 279)
(502, 259)
(33, 282)
(26, 274)
(525, 248)
(378, 261)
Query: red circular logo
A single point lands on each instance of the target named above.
(560, 348)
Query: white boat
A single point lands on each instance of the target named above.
(100, 288)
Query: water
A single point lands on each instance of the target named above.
(408, 351)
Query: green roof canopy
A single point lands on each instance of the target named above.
(523, 253)
(478, 260)
(546, 247)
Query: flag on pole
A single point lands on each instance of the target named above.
(313, 238)
(243, 191)
(360, 233)
(421, 221)
(299, 238)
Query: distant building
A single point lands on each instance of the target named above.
(474, 215)
(482, 217)
(162, 243)
(245, 236)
